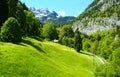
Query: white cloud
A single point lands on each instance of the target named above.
(61, 13)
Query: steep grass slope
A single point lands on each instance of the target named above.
(32, 58)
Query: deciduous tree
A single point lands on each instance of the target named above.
(10, 31)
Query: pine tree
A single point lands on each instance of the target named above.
(25, 7)
(78, 41)
(20, 16)
(118, 30)
(12, 7)
(3, 12)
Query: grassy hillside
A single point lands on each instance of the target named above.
(32, 58)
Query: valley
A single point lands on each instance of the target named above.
(39, 42)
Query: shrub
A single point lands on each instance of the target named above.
(10, 31)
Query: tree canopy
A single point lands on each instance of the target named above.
(10, 31)
(49, 31)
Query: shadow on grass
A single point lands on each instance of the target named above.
(87, 53)
(33, 45)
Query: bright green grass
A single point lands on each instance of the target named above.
(32, 58)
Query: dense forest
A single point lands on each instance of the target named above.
(17, 23)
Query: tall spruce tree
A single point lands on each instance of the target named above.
(78, 41)
(25, 7)
(3, 12)
(21, 17)
(12, 7)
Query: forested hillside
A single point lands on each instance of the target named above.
(99, 16)
(16, 21)
(100, 25)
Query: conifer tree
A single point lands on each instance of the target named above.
(12, 7)
(3, 12)
(78, 41)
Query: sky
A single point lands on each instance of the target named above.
(62, 7)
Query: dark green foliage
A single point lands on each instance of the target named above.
(29, 24)
(103, 43)
(112, 69)
(10, 31)
(49, 31)
(36, 28)
(32, 24)
(107, 46)
(118, 30)
(24, 6)
(66, 36)
(3, 12)
(116, 61)
(66, 31)
(68, 41)
(106, 70)
(21, 17)
(78, 41)
(12, 7)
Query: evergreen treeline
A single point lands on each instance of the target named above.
(17, 20)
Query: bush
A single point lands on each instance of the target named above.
(49, 31)
(10, 31)
(68, 41)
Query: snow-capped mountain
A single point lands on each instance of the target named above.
(44, 14)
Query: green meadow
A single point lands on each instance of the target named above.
(33, 58)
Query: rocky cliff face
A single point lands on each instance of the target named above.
(100, 15)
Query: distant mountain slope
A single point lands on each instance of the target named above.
(60, 21)
(100, 15)
(32, 58)
(45, 14)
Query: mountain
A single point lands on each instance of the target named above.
(45, 14)
(99, 16)
(60, 21)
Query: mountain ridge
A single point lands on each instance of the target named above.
(44, 15)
